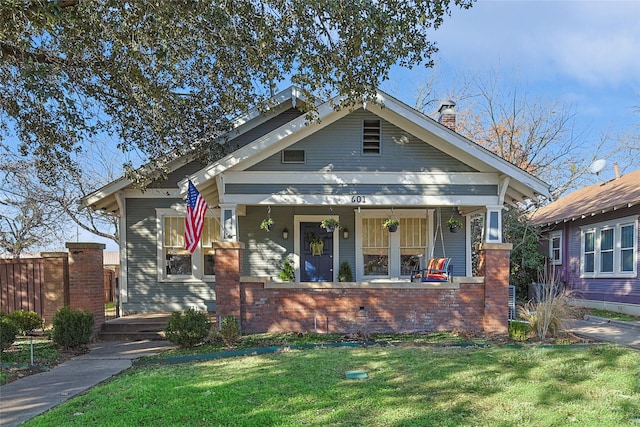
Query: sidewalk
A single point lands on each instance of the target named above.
(602, 329)
(30, 396)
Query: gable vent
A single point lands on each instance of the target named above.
(293, 156)
(371, 137)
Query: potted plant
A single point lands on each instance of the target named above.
(454, 224)
(267, 224)
(330, 224)
(287, 274)
(315, 243)
(391, 224)
(344, 273)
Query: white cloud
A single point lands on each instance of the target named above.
(595, 42)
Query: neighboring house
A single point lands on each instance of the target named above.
(592, 240)
(359, 166)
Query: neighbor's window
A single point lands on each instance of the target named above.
(413, 243)
(371, 137)
(609, 249)
(555, 247)
(375, 247)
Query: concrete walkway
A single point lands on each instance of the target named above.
(601, 329)
(30, 396)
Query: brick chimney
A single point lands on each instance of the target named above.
(447, 112)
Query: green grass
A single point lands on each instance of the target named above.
(614, 315)
(408, 385)
(45, 353)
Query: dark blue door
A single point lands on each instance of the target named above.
(316, 253)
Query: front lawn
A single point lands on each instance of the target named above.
(408, 385)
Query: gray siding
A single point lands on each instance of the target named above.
(237, 141)
(339, 146)
(145, 293)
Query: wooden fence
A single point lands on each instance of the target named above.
(57, 279)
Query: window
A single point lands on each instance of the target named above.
(413, 243)
(371, 137)
(174, 261)
(555, 247)
(610, 249)
(375, 247)
(382, 254)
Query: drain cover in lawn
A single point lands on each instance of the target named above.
(356, 375)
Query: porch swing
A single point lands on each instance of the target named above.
(438, 269)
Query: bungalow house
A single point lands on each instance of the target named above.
(591, 236)
(359, 166)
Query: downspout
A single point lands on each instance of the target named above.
(122, 231)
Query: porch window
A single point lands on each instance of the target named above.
(413, 243)
(609, 249)
(375, 247)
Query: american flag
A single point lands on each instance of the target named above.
(193, 222)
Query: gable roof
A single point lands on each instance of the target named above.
(105, 197)
(519, 184)
(620, 192)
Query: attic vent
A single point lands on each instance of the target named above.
(293, 156)
(371, 137)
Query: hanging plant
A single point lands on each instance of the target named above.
(267, 224)
(316, 244)
(330, 224)
(391, 224)
(454, 224)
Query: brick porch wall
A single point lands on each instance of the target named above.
(475, 305)
(86, 279)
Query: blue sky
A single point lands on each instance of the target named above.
(584, 53)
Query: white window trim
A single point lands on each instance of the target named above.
(197, 258)
(394, 239)
(617, 225)
(556, 235)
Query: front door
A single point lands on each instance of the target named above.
(316, 253)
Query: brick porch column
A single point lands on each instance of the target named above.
(228, 268)
(86, 279)
(55, 286)
(494, 266)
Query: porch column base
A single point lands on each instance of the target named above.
(228, 269)
(494, 266)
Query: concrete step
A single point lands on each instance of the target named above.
(139, 326)
(130, 336)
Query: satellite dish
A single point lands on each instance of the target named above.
(597, 166)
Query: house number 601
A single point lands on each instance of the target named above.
(358, 199)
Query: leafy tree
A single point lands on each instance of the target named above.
(36, 214)
(168, 76)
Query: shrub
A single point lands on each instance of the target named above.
(230, 331)
(189, 329)
(8, 332)
(287, 274)
(26, 321)
(344, 273)
(547, 315)
(72, 328)
(518, 330)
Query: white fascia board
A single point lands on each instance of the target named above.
(337, 178)
(267, 145)
(152, 193)
(292, 94)
(451, 142)
(364, 201)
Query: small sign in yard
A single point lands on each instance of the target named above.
(356, 375)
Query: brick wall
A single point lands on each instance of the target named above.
(479, 304)
(86, 279)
